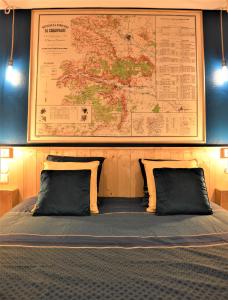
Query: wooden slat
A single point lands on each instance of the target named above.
(123, 164)
(29, 173)
(121, 175)
(136, 177)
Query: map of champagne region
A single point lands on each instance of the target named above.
(115, 75)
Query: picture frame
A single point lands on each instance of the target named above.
(116, 76)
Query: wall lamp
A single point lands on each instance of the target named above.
(13, 76)
(5, 155)
(224, 154)
(221, 75)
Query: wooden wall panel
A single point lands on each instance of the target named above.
(30, 174)
(121, 174)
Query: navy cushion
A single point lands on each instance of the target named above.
(181, 191)
(64, 193)
(58, 158)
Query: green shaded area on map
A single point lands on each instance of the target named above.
(123, 69)
(156, 108)
(91, 93)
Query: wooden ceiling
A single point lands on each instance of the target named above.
(175, 4)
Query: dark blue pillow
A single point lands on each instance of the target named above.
(145, 199)
(181, 191)
(58, 158)
(64, 193)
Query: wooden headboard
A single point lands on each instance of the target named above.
(121, 174)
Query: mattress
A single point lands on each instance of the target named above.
(122, 253)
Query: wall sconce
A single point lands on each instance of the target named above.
(5, 154)
(224, 154)
(221, 75)
(13, 76)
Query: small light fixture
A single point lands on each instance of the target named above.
(221, 75)
(224, 154)
(5, 154)
(13, 76)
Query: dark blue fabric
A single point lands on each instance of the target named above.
(181, 191)
(114, 228)
(113, 241)
(36, 273)
(117, 204)
(64, 193)
(25, 206)
(107, 205)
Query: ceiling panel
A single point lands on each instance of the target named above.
(181, 4)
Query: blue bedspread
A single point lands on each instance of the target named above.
(121, 254)
(118, 225)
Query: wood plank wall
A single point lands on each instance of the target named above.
(121, 174)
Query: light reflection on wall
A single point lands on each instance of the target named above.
(221, 75)
(13, 76)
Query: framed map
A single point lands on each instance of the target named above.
(116, 75)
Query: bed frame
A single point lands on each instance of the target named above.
(121, 174)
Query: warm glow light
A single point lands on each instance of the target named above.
(6, 152)
(224, 154)
(4, 178)
(221, 75)
(4, 167)
(13, 75)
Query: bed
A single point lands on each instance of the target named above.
(123, 253)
